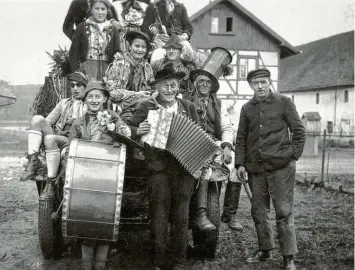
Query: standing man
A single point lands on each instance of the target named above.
(170, 186)
(216, 122)
(264, 150)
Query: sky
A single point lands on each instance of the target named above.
(29, 28)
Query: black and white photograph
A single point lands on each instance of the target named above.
(176, 134)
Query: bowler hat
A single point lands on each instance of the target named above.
(131, 35)
(257, 73)
(95, 85)
(78, 76)
(173, 41)
(168, 72)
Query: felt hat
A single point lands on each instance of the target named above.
(213, 67)
(257, 73)
(173, 41)
(131, 35)
(78, 76)
(95, 85)
(168, 72)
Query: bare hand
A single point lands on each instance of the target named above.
(125, 130)
(241, 173)
(163, 37)
(226, 155)
(116, 25)
(184, 36)
(154, 30)
(143, 128)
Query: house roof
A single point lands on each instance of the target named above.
(6, 97)
(286, 48)
(323, 63)
(312, 116)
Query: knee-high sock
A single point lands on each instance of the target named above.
(53, 159)
(34, 141)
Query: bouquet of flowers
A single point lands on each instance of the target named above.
(104, 119)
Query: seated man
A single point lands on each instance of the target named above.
(91, 127)
(170, 186)
(173, 49)
(54, 129)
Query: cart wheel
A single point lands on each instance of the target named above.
(49, 231)
(205, 243)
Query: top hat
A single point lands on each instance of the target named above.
(168, 72)
(173, 41)
(213, 67)
(95, 85)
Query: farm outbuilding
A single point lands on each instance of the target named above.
(227, 24)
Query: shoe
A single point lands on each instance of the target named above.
(259, 256)
(30, 170)
(289, 263)
(202, 223)
(234, 224)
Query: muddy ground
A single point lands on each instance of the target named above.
(324, 222)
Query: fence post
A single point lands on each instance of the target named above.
(323, 156)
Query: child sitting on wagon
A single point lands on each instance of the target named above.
(53, 130)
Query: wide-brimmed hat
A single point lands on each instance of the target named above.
(131, 35)
(95, 85)
(168, 72)
(78, 76)
(213, 67)
(257, 73)
(173, 41)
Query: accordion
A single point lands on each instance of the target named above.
(180, 136)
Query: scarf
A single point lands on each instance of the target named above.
(202, 104)
(142, 73)
(92, 132)
(99, 34)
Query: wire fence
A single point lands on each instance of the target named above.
(328, 159)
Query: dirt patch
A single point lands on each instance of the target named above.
(323, 219)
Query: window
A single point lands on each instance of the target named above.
(330, 127)
(214, 24)
(317, 98)
(229, 24)
(293, 98)
(346, 96)
(246, 65)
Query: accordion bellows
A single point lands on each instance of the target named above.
(184, 139)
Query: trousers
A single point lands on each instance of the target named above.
(278, 186)
(170, 192)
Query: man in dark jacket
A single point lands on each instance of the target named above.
(170, 186)
(173, 16)
(265, 151)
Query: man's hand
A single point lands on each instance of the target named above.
(143, 128)
(226, 155)
(241, 173)
(116, 24)
(184, 36)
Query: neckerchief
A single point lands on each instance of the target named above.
(142, 74)
(100, 29)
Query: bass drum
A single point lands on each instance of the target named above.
(93, 190)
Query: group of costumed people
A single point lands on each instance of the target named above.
(124, 65)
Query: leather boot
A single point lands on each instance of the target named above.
(289, 263)
(31, 167)
(201, 220)
(87, 253)
(231, 204)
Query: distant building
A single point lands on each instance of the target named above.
(321, 79)
(227, 24)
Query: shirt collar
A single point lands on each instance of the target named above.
(254, 100)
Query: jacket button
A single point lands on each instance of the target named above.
(261, 126)
(261, 113)
(259, 149)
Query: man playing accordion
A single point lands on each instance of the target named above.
(170, 186)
